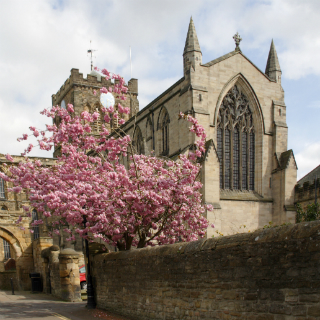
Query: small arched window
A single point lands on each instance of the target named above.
(138, 141)
(163, 125)
(2, 190)
(6, 249)
(236, 142)
(96, 125)
(36, 233)
(149, 138)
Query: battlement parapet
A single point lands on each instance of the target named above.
(306, 191)
(76, 79)
(133, 86)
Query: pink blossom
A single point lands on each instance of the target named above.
(8, 157)
(148, 196)
(70, 108)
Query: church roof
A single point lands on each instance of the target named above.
(285, 158)
(309, 177)
(273, 61)
(229, 55)
(192, 42)
(224, 57)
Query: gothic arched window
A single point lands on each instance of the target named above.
(236, 142)
(138, 141)
(2, 191)
(163, 125)
(149, 137)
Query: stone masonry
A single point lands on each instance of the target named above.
(200, 92)
(271, 274)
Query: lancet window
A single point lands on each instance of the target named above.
(163, 125)
(138, 141)
(236, 142)
(149, 130)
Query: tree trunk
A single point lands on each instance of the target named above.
(142, 241)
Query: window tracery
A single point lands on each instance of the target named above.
(236, 141)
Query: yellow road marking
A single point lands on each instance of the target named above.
(60, 316)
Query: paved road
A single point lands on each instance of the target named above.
(28, 306)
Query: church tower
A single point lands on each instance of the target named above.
(273, 70)
(83, 93)
(192, 55)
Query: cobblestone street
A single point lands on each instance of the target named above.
(25, 305)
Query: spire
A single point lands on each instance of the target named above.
(273, 62)
(192, 43)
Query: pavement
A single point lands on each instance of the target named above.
(25, 305)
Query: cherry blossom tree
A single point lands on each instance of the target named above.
(99, 187)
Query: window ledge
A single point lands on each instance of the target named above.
(242, 195)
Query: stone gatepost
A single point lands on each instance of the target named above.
(69, 275)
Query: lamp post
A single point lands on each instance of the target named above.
(91, 304)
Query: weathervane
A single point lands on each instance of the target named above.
(237, 40)
(90, 51)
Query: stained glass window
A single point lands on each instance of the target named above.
(219, 138)
(244, 161)
(251, 161)
(236, 159)
(236, 141)
(227, 159)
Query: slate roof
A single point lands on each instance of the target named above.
(285, 158)
(309, 177)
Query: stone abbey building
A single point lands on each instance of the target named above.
(247, 172)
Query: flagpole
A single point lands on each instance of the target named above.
(130, 62)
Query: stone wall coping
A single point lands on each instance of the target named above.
(275, 234)
(69, 252)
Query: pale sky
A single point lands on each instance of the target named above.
(42, 40)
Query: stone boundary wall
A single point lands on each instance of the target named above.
(271, 274)
(305, 194)
(5, 277)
